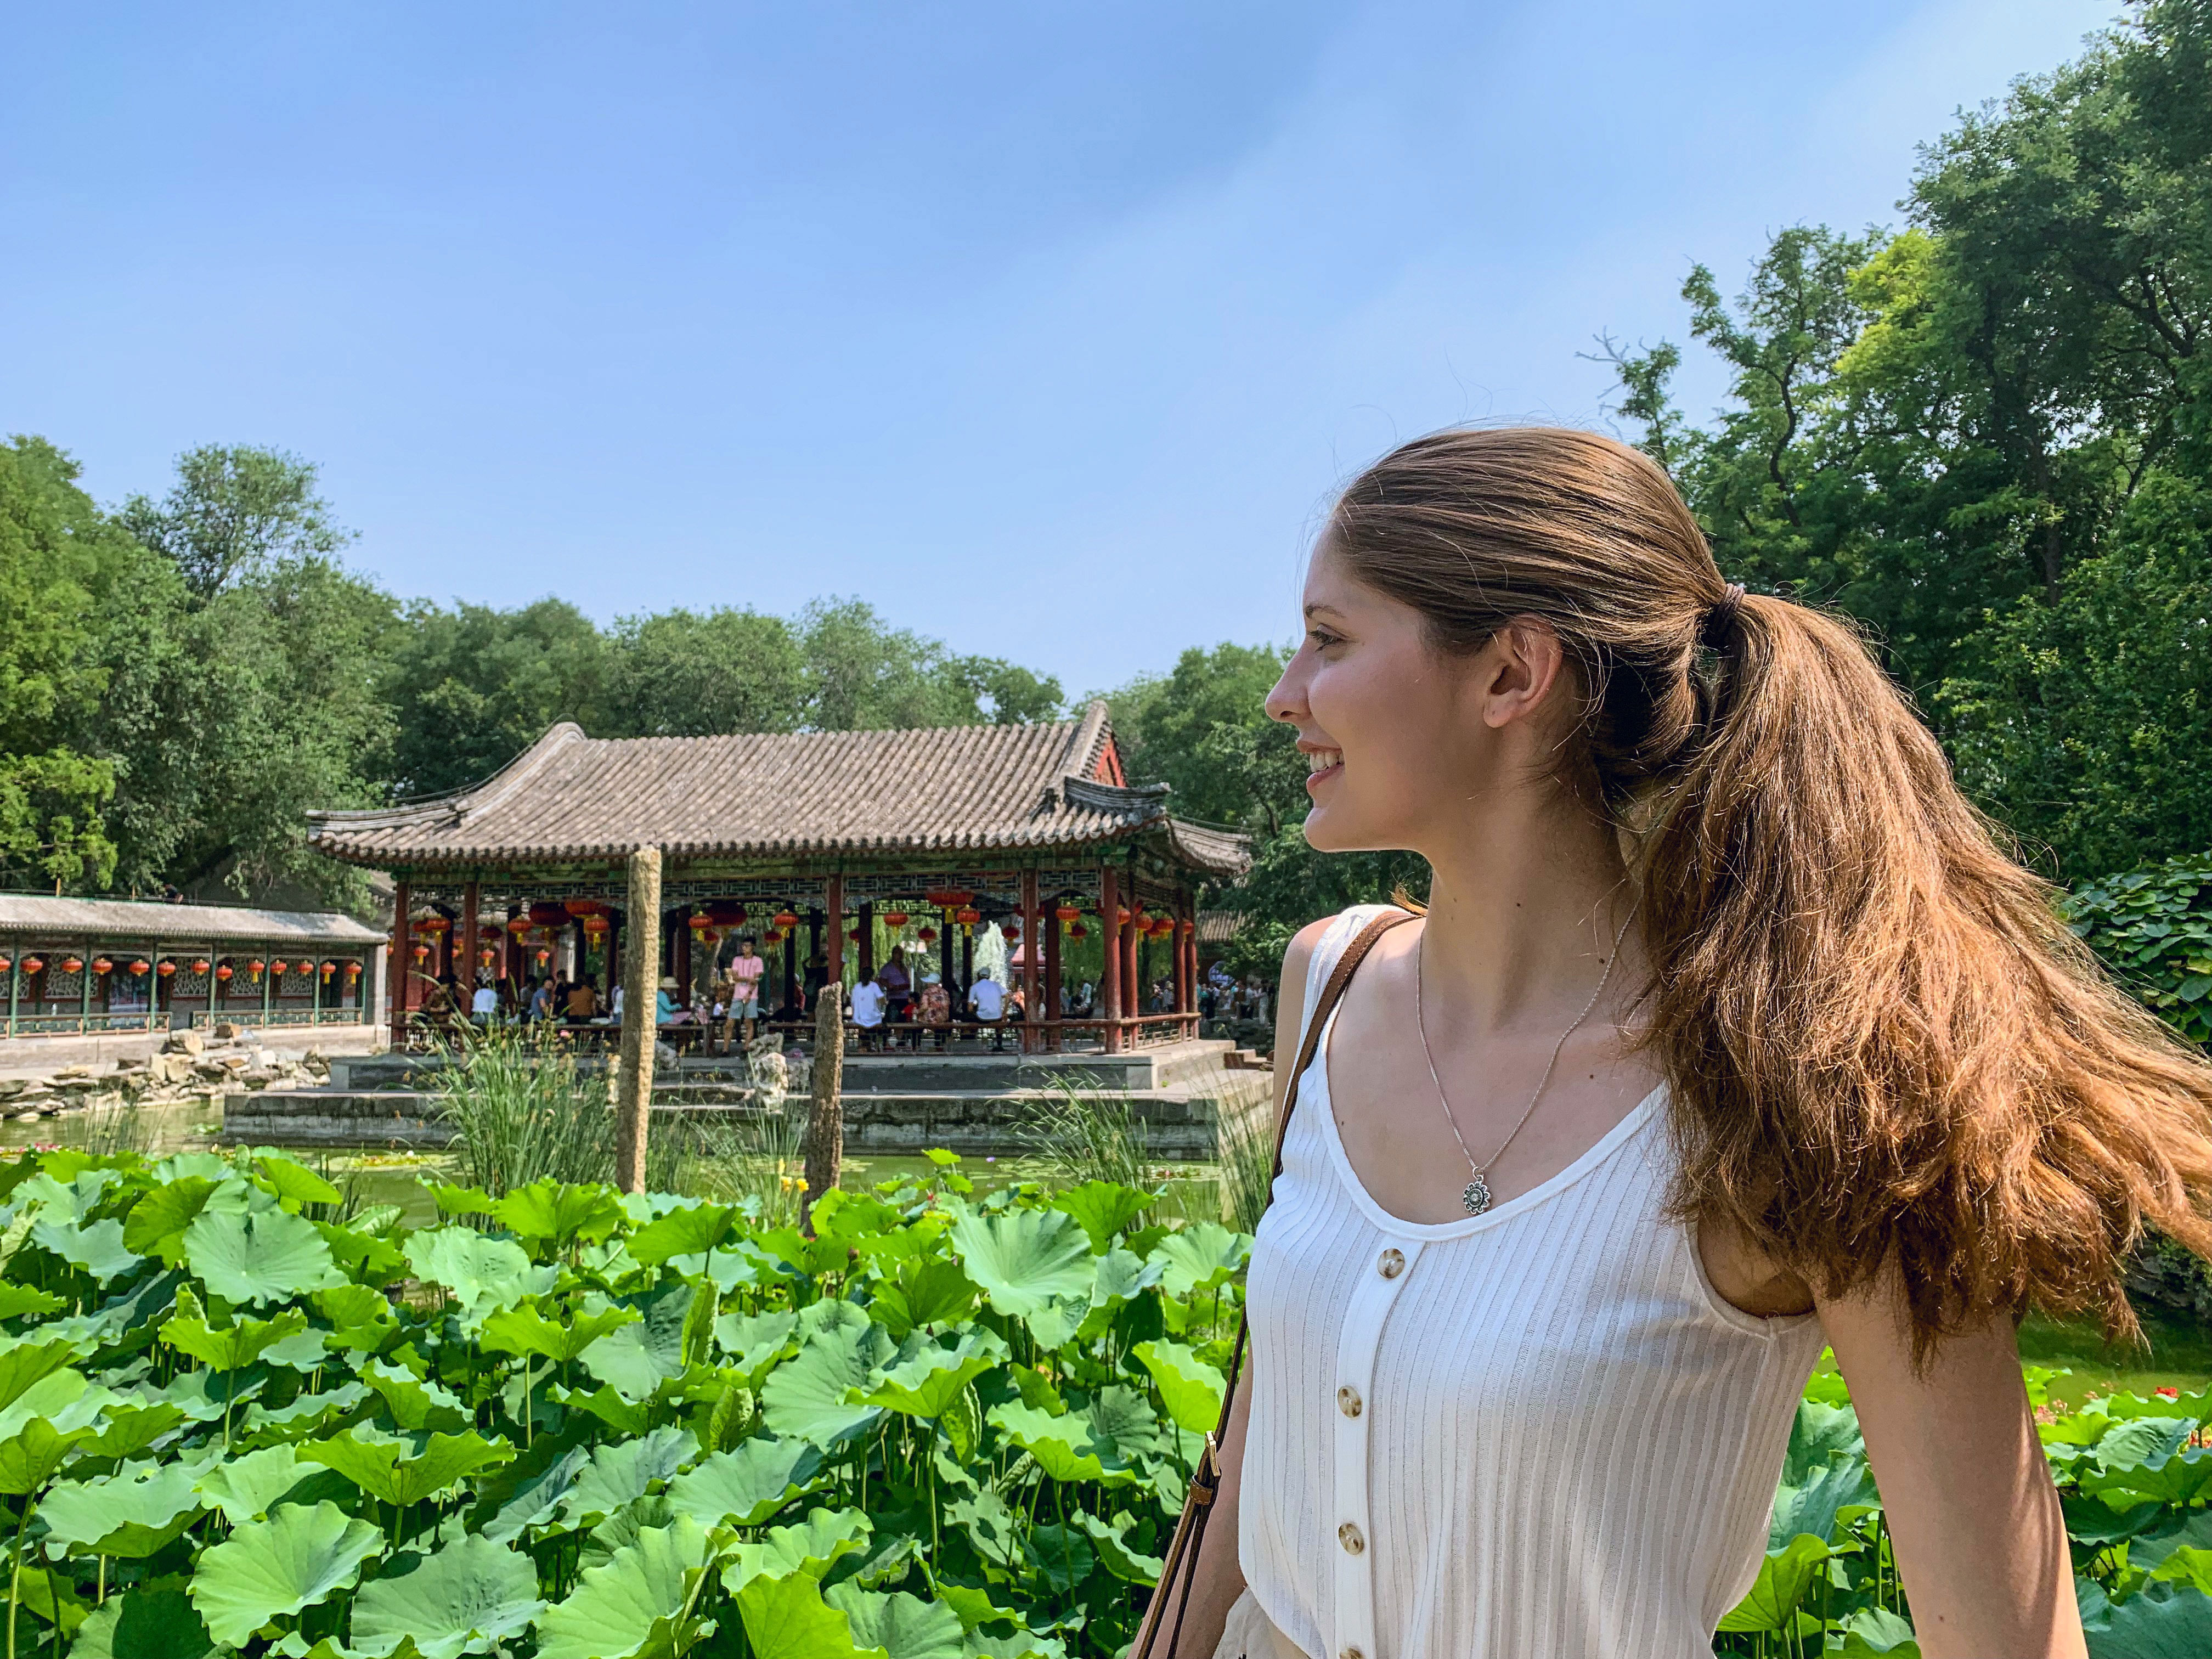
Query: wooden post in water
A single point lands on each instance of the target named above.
(640, 981)
(825, 1119)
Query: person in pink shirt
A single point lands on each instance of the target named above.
(747, 971)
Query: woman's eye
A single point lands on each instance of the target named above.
(1322, 638)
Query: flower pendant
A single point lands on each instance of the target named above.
(1477, 1195)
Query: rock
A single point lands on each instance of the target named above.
(186, 1041)
(231, 1064)
(12, 1086)
(72, 1072)
(27, 1117)
(228, 1032)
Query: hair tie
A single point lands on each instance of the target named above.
(1720, 617)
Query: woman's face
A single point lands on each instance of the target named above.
(1402, 741)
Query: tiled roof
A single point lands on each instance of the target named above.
(47, 917)
(962, 788)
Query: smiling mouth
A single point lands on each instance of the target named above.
(1322, 763)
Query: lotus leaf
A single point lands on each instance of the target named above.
(559, 1213)
(925, 1384)
(637, 1359)
(690, 1232)
(236, 1345)
(1116, 1553)
(484, 1274)
(19, 1299)
(621, 1474)
(96, 1246)
(392, 1471)
(293, 1184)
(744, 1488)
(413, 1402)
(267, 1570)
(144, 1624)
(246, 1488)
(1199, 1257)
(1025, 1261)
(1104, 1208)
(464, 1598)
(924, 1292)
(122, 1514)
(1189, 1388)
(807, 1395)
(634, 1604)
(1783, 1578)
(269, 1257)
(1065, 1448)
(904, 1626)
(786, 1618)
(754, 1342)
(816, 1544)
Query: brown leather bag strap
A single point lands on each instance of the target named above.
(1317, 1023)
(1179, 1568)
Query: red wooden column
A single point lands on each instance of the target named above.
(400, 981)
(1133, 984)
(471, 897)
(1032, 928)
(1109, 941)
(834, 934)
(1050, 1034)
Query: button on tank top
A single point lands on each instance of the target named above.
(1537, 1433)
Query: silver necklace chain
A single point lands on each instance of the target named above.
(1476, 1196)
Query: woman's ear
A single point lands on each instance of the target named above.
(1518, 670)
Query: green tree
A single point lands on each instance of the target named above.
(59, 556)
(471, 687)
(234, 511)
(864, 675)
(681, 674)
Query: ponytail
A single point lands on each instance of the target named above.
(1884, 1049)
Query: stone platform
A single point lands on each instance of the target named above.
(1179, 1093)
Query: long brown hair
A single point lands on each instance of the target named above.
(1884, 1047)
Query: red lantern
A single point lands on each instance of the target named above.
(595, 927)
(584, 906)
(1068, 913)
(434, 924)
(353, 970)
(785, 920)
(6, 962)
(487, 956)
(33, 964)
(1121, 916)
(253, 966)
(774, 936)
(519, 926)
(927, 936)
(967, 915)
(166, 970)
(199, 964)
(949, 898)
(102, 966)
(329, 968)
(277, 969)
(140, 967)
(422, 954)
(1188, 926)
(548, 915)
(700, 923)
(854, 935)
(70, 964)
(1012, 930)
(543, 956)
(225, 971)
(723, 914)
(894, 918)
(1077, 930)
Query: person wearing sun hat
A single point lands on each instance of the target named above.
(664, 1005)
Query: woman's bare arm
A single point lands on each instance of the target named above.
(1220, 1579)
(1971, 1512)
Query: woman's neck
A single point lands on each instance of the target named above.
(1521, 923)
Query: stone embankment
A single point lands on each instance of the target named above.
(190, 1064)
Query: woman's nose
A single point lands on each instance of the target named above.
(1287, 701)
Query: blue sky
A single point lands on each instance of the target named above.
(1048, 329)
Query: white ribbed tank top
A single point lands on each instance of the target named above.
(1537, 1433)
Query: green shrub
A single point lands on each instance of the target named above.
(2153, 929)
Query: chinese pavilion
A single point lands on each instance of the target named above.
(848, 838)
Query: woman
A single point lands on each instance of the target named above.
(1728, 1032)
